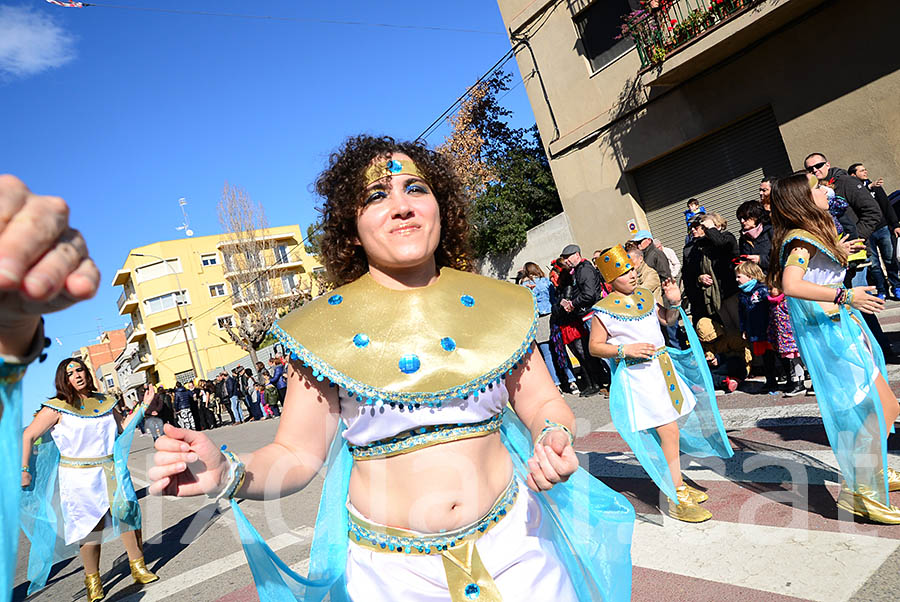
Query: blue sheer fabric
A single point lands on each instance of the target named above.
(591, 525)
(843, 361)
(41, 517)
(701, 432)
(10, 457)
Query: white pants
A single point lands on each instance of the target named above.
(523, 564)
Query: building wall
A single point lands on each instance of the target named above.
(214, 345)
(829, 94)
(543, 244)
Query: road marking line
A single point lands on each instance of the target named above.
(168, 587)
(814, 565)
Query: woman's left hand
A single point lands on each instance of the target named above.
(554, 460)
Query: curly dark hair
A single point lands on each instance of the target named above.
(341, 186)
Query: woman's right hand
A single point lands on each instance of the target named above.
(639, 350)
(865, 302)
(26, 479)
(187, 463)
(706, 280)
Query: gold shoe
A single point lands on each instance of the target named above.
(94, 587)
(868, 507)
(696, 495)
(893, 479)
(687, 509)
(140, 573)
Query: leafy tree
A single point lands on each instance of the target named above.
(313, 241)
(505, 170)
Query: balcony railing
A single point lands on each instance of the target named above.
(127, 301)
(664, 26)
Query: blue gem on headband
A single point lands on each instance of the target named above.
(361, 340)
(394, 166)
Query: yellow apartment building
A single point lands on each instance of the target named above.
(181, 294)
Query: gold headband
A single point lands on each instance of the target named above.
(73, 365)
(391, 167)
(613, 263)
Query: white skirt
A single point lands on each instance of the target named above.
(83, 499)
(523, 564)
(650, 395)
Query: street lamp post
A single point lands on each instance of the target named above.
(180, 319)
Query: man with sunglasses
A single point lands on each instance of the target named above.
(863, 211)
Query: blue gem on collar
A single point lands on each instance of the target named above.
(335, 300)
(96, 411)
(448, 344)
(409, 363)
(472, 591)
(361, 340)
(617, 301)
(394, 166)
(467, 300)
(640, 306)
(606, 259)
(618, 264)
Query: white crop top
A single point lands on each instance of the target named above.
(367, 424)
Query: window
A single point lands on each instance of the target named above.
(185, 377)
(217, 290)
(229, 262)
(289, 282)
(209, 259)
(175, 336)
(254, 259)
(598, 26)
(110, 383)
(281, 254)
(157, 270)
(164, 302)
(224, 321)
(262, 287)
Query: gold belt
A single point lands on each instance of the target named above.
(668, 369)
(467, 578)
(70, 462)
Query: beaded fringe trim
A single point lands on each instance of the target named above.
(432, 544)
(426, 437)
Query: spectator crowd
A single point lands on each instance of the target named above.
(741, 318)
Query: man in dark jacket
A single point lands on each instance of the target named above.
(587, 290)
(232, 388)
(279, 378)
(153, 414)
(881, 243)
(652, 256)
(182, 402)
(708, 273)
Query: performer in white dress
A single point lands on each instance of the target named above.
(650, 390)
(95, 491)
(848, 372)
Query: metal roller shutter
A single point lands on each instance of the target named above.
(721, 170)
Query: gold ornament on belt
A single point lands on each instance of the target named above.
(613, 263)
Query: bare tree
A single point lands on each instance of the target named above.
(249, 274)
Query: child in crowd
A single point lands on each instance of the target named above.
(726, 354)
(781, 335)
(261, 399)
(271, 397)
(694, 208)
(753, 311)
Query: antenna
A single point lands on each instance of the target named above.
(186, 224)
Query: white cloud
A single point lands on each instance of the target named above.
(31, 42)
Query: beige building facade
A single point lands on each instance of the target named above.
(193, 281)
(748, 98)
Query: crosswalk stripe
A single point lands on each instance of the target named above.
(166, 588)
(815, 565)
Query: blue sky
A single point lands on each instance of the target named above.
(122, 112)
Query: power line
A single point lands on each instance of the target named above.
(201, 13)
(434, 124)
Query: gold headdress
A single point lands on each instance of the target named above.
(391, 167)
(613, 263)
